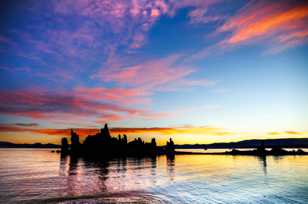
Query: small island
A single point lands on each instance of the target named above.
(103, 145)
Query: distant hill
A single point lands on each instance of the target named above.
(35, 145)
(269, 143)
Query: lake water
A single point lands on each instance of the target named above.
(39, 176)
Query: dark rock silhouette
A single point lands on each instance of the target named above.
(170, 148)
(75, 144)
(64, 146)
(300, 152)
(102, 145)
(261, 149)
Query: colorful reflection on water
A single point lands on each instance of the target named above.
(39, 176)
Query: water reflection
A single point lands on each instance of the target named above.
(144, 173)
(64, 163)
(110, 175)
(73, 161)
(39, 176)
(153, 162)
(263, 163)
(170, 166)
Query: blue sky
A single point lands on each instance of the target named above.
(220, 70)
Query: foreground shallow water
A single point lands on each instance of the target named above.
(39, 176)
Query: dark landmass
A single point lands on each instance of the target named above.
(103, 145)
(274, 152)
(269, 143)
(260, 150)
(35, 145)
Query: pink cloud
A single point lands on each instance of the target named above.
(119, 95)
(151, 74)
(200, 16)
(164, 74)
(67, 106)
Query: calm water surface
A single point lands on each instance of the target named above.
(39, 176)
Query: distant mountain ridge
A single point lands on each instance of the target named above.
(35, 145)
(269, 143)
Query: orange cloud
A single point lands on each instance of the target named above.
(278, 21)
(139, 131)
(66, 132)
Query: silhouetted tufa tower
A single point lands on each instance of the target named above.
(75, 144)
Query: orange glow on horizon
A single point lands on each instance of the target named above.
(181, 135)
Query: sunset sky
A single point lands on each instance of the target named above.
(199, 71)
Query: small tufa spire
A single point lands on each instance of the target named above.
(105, 131)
